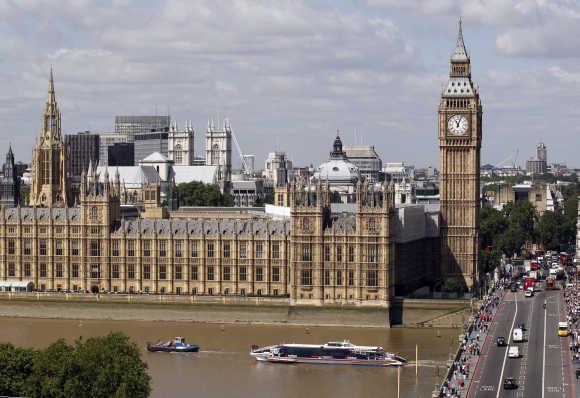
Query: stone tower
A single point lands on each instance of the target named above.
(9, 183)
(49, 177)
(218, 150)
(460, 133)
(180, 144)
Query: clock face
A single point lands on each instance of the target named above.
(457, 125)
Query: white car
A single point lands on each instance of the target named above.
(529, 293)
(514, 352)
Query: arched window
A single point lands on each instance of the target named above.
(178, 154)
(215, 155)
(94, 213)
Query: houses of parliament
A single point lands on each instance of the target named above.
(356, 253)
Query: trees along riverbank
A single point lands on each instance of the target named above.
(108, 366)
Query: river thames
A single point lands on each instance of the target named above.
(223, 367)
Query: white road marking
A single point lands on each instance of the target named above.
(510, 337)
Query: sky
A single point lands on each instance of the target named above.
(288, 74)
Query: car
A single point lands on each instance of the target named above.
(509, 383)
(521, 325)
(529, 293)
(577, 373)
(501, 341)
(514, 287)
(514, 351)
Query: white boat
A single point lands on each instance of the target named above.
(332, 353)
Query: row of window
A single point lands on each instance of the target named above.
(57, 230)
(372, 278)
(95, 248)
(371, 255)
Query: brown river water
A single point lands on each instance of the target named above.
(223, 367)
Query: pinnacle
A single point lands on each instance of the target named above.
(460, 53)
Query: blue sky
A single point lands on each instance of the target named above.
(287, 74)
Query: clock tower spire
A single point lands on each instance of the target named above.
(460, 133)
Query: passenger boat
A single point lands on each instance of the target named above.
(332, 353)
(178, 344)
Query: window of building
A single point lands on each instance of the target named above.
(58, 229)
(194, 252)
(243, 274)
(162, 272)
(243, 250)
(306, 224)
(11, 230)
(42, 230)
(371, 225)
(210, 249)
(226, 250)
(538, 197)
(210, 291)
(351, 254)
(306, 252)
(41, 247)
(115, 271)
(306, 277)
(58, 270)
(94, 213)
(178, 272)
(259, 250)
(131, 248)
(339, 278)
(11, 269)
(146, 272)
(42, 270)
(326, 253)
(194, 273)
(275, 250)
(130, 271)
(95, 271)
(27, 230)
(339, 253)
(178, 249)
(259, 274)
(75, 270)
(227, 273)
(58, 247)
(210, 273)
(27, 269)
(11, 246)
(27, 250)
(162, 248)
(146, 248)
(74, 247)
(372, 278)
(327, 277)
(95, 248)
(115, 248)
(275, 274)
(350, 277)
(95, 230)
(372, 253)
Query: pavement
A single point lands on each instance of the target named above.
(544, 367)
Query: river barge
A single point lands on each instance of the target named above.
(332, 353)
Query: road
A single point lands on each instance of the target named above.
(540, 371)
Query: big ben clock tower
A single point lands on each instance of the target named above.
(460, 119)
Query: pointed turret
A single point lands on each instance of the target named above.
(460, 53)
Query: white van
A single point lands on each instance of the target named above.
(514, 351)
(518, 335)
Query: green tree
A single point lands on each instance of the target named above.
(197, 193)
(15, 369)
(23, 196)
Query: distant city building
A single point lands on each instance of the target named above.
(130, 125)
(277, 168)
(398, 171)
(218, 149)
(121, 154)
(9, 182)
(180, 144)
(366, 159)
(247, 193)
(83, 148)
(539, 165)
(542, 196)
(108, 139)
(151, 142)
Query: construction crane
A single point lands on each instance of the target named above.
(245, 168)
(513, 156)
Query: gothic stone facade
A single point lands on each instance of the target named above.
(314, 258)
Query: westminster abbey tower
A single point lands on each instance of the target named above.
(460, 117)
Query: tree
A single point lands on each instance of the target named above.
(23, 196)
(15, 369)
(197, 193)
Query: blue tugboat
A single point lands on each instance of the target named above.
(177, 345)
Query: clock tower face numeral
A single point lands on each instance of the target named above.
(457, 125)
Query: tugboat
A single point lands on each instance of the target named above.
(332, 353)
(177, 345)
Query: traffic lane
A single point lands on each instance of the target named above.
(535, 348)
(515, 367)
(493, 359)
(554, 381)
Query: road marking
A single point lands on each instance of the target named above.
(544, 351)
(510, 338)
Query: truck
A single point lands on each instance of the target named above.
(529, 282)
(518, 335)
(550, 283)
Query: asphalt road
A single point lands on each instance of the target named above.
(539, 371)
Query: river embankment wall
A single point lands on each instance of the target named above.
(258, 310)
